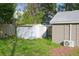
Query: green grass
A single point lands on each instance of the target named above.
(21, 47)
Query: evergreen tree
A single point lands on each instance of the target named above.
(6, 12)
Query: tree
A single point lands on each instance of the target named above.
(6, 12)
(71, 6)
(37, 13)
(33, 15)
(49, 7)
(50, 11)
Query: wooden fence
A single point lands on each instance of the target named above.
(6, 30)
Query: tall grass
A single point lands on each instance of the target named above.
(26, 47)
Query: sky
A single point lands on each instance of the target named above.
(21, 6)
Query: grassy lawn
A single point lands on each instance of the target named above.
(20, 47)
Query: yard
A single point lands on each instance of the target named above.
(12, 46)
(20, 47)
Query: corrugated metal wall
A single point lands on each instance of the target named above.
(31, 32)
(61, 32)
(7, 30)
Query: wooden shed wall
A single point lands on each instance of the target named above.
(62, 32)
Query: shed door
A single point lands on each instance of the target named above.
(60, 33)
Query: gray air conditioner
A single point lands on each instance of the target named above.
(69, 43)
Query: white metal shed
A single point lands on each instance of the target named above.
(31, 31)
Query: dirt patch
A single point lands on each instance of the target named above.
(62, 51)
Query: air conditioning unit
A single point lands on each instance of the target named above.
(69, 43)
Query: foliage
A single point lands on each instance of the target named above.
(19, 47)
(49, 7)
(36, 14)
(6, 12)
(29, 19)
(50, 10)
(32, 16)
(71, 6)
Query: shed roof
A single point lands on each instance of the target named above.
(66, 17)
